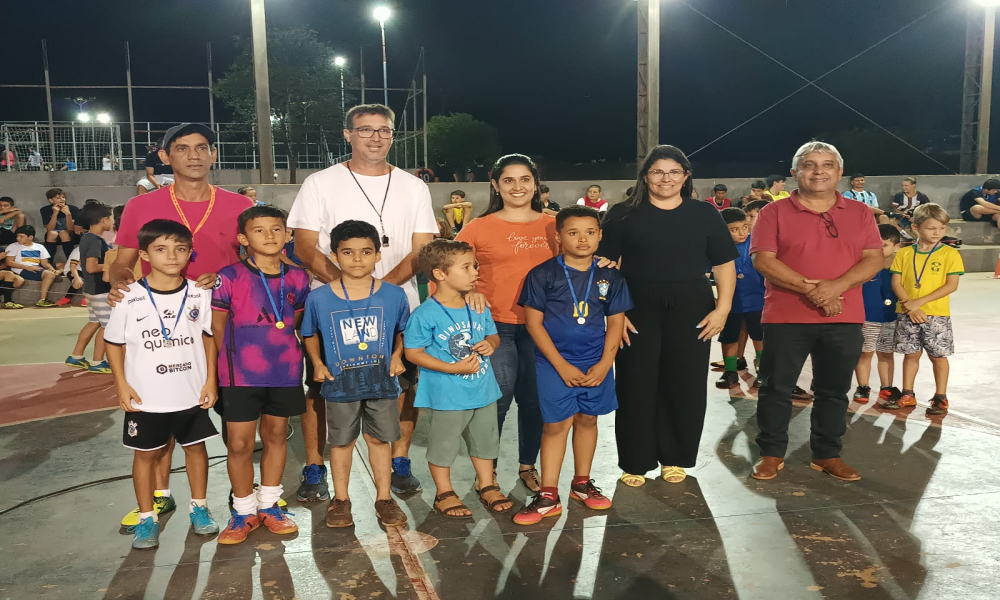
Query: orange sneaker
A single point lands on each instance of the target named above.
(939, 405)
(277, 521)
(238, 529)
(904, 401)
(540, 507)
(590, 495)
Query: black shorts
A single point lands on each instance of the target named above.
(734, 323)
(152, 431)
(407, 380)
(244, 404)
(968, 216)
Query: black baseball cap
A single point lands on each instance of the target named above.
(186, 129)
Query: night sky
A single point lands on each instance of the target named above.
(556, 77)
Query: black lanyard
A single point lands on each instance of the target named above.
(385, 238)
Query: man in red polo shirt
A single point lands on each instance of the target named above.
(815, 251)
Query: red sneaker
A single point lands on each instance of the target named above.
(590, 495)
(277, 521)
(939, 406)
(83, 303)
(64, 302)
(540, 507)
(238, 529)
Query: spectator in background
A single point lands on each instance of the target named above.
(249, 192)
(981, 203)
(9, 281)
(479, 172)
(858, 192)
(158, 173)
(593, 199)
(31, 261)
(757, 190)
(35, 161)
(59, 220)
(549, 207)
(457, 211)
(107, 164)
(904, 204)
(69, 165)
(425, 174)
(7, 159)
(11, 219)
(776, 188)
(93, 249)
(71, 271)
(719, 199)
(444, 173)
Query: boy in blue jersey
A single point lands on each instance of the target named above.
(359, 321)
(452, 344)
(575, 312)
(880, 326)
(748, 302)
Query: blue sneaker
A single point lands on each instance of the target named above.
(314, 487)
(79, 363)
(202, 521)
(102, 367)
(403, 481)
(147, 534)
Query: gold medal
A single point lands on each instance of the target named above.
(363, 346)
(280, 324)
(740, 276)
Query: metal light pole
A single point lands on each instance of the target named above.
(340, 61)
(382, 13)
(264, 134)
(648, 113)
(986, 89)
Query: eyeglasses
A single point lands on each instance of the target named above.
(831, 227)
(675, 175)
(367, 132)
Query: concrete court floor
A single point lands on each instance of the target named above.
(923, 523)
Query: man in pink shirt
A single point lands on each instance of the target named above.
(815, 251)
(209, 212)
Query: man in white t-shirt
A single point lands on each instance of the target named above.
(398, 205)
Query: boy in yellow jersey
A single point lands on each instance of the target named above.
(923, 276)
(458, 211)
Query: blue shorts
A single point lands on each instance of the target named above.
(560, 402)
(31, 275)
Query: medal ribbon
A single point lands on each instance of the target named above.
(468, 311)
(579, 307)
(184, 219)
(180, 311)
(927, 260)
(278, 308)
(361, 333)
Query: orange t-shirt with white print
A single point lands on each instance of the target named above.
(506, 251)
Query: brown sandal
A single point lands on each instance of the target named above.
(453, 503)
(491, 505)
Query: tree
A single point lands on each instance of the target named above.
(304, 86)
(459, 139)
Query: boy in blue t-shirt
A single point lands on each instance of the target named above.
(880, 326)
(748, 303)
(452, 344)
(566, 302)
(359, 321)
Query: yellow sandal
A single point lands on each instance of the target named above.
(673, 474)
(633, 480)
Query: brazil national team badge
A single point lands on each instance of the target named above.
(133, 429)
(602, 289)
(194, 313)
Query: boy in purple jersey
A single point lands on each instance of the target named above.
(257, 307)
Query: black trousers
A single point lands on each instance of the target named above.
(661, 377)
(836, 349)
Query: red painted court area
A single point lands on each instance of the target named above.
(42, 391)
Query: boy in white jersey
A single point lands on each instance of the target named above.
(165, 372)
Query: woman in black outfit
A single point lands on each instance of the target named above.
(664, 241)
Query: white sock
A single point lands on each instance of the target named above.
(197, 502)
(268, 495)
(76, 357)
(246, 505)
(143, 515)
(165, 493)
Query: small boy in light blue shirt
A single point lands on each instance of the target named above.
(452, 344)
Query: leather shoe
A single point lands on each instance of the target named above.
(768, 467)
(836, 468)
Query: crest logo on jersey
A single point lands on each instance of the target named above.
(133, 429)
(602, 289)
(218, 282)
(194, 313)
(290, 296)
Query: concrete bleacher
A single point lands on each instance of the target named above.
(980, 245)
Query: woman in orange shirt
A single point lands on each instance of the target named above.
(511, 237)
